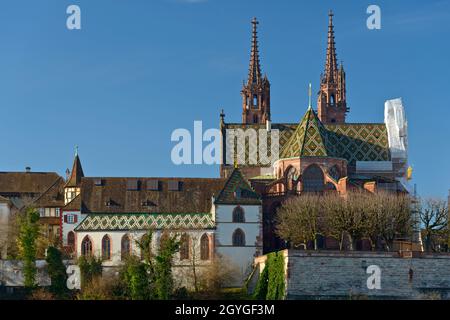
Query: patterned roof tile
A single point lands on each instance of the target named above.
(145, 221)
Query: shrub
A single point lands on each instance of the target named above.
(90, 268)
(28, 234)
(41, 294)
(57, 272)
(271, 284)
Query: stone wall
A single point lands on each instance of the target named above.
(342, 275)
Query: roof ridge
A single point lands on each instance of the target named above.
(242, 178)
(308, 112)
(48, 189)
(73, 200)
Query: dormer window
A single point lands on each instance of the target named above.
(110, 203)
(147, 203)
(153, 185)
(174, 185)
(132, 185)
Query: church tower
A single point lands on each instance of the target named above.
(72, 188)
(331, 102)
(256, 92)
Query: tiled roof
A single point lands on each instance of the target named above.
(53, 196)
(360, 141)
(285, 130)
(151, 195)
(350, 141)
(238, 190)
(145, 221)
(26, 182)
(74, 205)
(308, 140)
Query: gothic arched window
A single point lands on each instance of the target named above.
(184, 247)
(106, 248)
(255, 101)
(291, 178)
(204, 247)
(255, 118)
(238, 215)
(71, 240)
(313, 179)
(238, 238)
(86, 247)
(125, 246)
(332, 99)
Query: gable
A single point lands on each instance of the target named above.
(238, 190)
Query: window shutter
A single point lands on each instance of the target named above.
(65, 218)
(75, 218)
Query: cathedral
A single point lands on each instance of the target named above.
(322, 152)
(232, 215)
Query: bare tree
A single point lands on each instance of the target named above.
(379, 216)
(345, 218)
(3, 240)
(220, 272)
(433, 214)
(298, 220)
(388, 217)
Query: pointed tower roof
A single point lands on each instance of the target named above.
(331, 65)
(309, 139)
(237, 190)
(76, 173)
(254, 70)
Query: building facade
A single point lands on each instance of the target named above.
(233, 215)
(322, 152)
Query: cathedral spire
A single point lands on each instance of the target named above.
(331, 67)
(256, 92)
(254, 70)
(332, 101)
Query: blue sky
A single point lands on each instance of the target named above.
(139, 69)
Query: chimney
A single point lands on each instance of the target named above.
(27, 169)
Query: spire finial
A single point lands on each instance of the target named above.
(309, 95)
(76, 151)
(331, 61)
(222, 117)
(254, 72)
